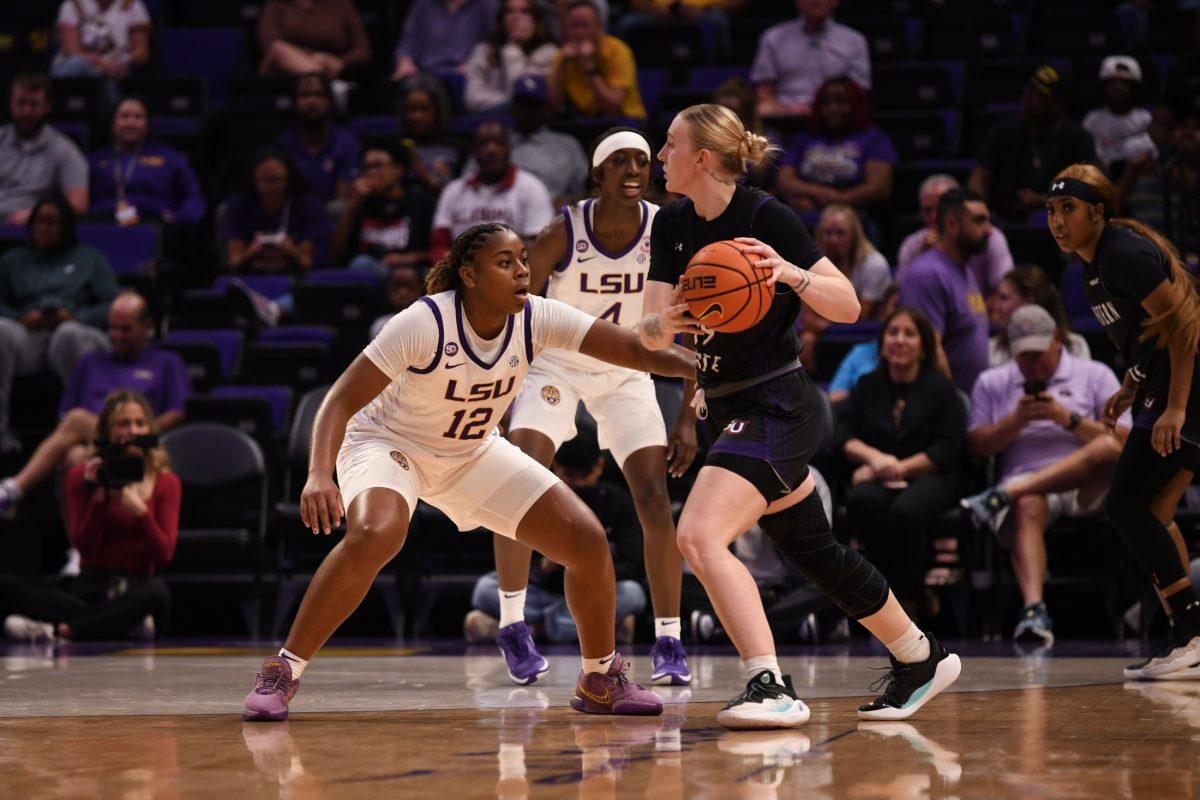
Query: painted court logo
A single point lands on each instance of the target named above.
(550, 395)
(399, 458)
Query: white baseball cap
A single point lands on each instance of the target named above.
(1124, 67)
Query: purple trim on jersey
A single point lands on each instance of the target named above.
(566, 262)
(437, 356)
(587, 228)
(762, 201)
(528, 333)
(465, 342)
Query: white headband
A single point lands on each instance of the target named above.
(620, 140)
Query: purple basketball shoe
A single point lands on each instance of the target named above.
(525, 663)
(669, 661)
(273, 690)
(613, 693)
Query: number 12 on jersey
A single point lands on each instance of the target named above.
(476, 427)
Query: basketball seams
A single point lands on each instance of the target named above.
(746, 270)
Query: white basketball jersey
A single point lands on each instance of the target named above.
(448, 398)
(453, 403)
(607, 285)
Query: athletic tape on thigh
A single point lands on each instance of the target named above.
(804, 538)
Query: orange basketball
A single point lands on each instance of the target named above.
(724, 289)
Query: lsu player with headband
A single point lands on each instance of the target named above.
(414, 417)
(595, 256)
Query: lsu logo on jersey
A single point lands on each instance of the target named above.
(551, 395)
(478, 392)
(612, 283)
(399, 458)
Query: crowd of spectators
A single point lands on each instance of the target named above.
(481, 112)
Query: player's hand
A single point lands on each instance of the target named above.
(676, 318)
(1115, 406)
(1164, 438)
(321, 506)
(681, 444)
(781, 271)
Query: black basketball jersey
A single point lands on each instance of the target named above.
(679, 232)
(1125, 269)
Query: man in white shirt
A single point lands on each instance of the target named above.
(1121, 129)
(499, 192)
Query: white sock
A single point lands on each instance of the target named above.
(295, 662)
(512, 607)
(911, 647)
(512, 761)
(667, 626)
(600, 665)
(755, 665)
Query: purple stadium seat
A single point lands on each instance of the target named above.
(227, 343)
(272, 286)
(374, 127)
(214, 53)
(705, 79)
(129, 249)
(344, 277)
(651, 83)
(322, 334)
(277, 398)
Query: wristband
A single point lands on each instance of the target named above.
(1073, 423)
(1136, 373)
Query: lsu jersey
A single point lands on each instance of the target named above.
(603, 284)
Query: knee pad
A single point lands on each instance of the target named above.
(804, 538)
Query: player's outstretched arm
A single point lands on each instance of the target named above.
(321, 502)
(664, 315)
(616, 345)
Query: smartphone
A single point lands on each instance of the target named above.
(1035, 388)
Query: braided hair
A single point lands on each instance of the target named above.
(445, 275)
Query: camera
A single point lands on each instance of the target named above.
(119, 467)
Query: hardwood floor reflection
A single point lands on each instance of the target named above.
(1109, 740)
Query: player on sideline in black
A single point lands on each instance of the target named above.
(415, 416)
(763, 419)
(1148, 303)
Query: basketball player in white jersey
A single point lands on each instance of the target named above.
(595, 256)
(414, 417)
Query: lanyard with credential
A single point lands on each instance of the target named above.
(122, 178)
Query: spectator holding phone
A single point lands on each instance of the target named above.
(123, 516)
(276, 224)
(54, 298)
(1039, 415)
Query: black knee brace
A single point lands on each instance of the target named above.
(804, 538)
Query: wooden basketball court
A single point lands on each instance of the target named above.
(407, 722)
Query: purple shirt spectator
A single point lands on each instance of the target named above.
(1080, 385)
(839, 163)
(948, 295)
(798, 60)
(439, 41)
(989, 267)
(158, 179)
(337, 161)
(160, 375)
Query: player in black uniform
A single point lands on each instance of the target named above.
(763, 422)
(1148, 304)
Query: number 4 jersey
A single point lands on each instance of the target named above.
(449, 386)
(604, 284)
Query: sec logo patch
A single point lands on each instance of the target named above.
(399, 458)
(451, 349)
(550, 395)
(581, 246)
(512, 362)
